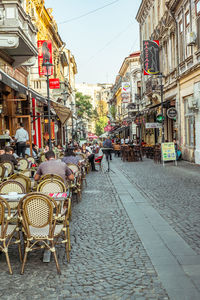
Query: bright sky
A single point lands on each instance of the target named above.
(101, 40)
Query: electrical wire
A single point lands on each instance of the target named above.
(108, 43)
(88, 13)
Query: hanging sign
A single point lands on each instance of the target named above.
(151, 57)
(44, 55)
(126, 87)
(172, 113)
(54, 83)
(168, 152)
(153, 125)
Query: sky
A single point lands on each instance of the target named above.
(101, 40)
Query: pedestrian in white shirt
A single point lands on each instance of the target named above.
(21, 138)
(122, 141)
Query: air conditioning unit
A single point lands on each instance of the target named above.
(191, 38)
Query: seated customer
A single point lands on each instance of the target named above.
(70, 157)
(53, 166)
(8, 157)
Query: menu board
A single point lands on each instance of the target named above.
(168, 151)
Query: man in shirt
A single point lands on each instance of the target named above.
(8, 157)
(21, 138)
(53, 166)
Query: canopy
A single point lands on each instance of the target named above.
(63, 112)
(92, 136)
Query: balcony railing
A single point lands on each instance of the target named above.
(18, 35)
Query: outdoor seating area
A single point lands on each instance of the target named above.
(134, 153)
(36, 215)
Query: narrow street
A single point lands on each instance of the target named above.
(133, 235)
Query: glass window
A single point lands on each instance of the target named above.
(187, 19)
(198, 7)
(189, 123)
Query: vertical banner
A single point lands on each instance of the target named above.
(126, 92)
(44, 55)
(151, 57)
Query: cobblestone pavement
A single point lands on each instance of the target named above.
(173, 191)
(108, 260)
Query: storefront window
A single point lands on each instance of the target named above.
(189, 123)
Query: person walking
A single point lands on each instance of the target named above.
(21, 138)
(108, 144)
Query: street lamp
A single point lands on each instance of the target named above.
(161, 97)
(48, 66)
(72, 108)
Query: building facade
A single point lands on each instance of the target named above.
(176, 24)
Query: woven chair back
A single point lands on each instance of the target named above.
(38, 211)
(12, 186)
(42, 157)
(51, 185)
(23, 164)
(9, 167)
(51, 176)
(4, 206)
(25, 181)
(31, 159)
(26, 173)
(2, 171)
(73, 167)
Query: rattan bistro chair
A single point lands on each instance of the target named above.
(9, 168)
(22, 164)
(8, 232)
(38, 214)
(52, 176)
(24, 180)
(51, 185)
(12, 186)
(2, 171)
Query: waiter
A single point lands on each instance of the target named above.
(21, 138)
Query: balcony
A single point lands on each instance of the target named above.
(152, 85)
(18, 35)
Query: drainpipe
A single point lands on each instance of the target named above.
(178, 73)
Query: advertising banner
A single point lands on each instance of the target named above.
(44, 55)
(151, 57)
(168, 152)
(126, 87)
(54, 83)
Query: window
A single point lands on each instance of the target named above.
(187, 19)
(173, 49)
(198, 7)
(181, 50)
(189, 123)
(198, 22)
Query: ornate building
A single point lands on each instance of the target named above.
(176, 24)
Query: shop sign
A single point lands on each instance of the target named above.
(126, 87)
(172, 113)
(151, 57)
(168, 152)
(44, 55)
(153, 125)
(54, 83)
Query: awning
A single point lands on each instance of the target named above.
(63, 112)
(13, 83)
(37, 96)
